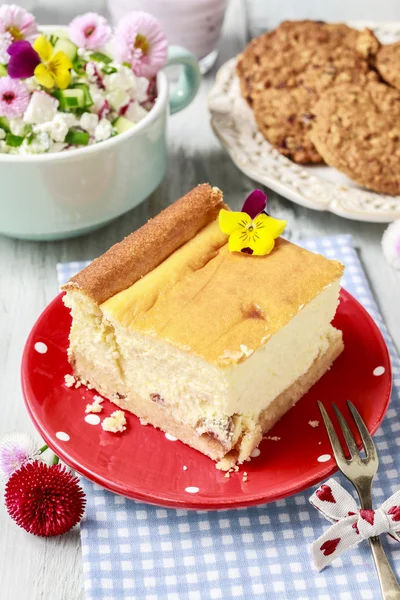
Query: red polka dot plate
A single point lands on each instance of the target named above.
(145, 464)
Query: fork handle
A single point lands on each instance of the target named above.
(390, 587)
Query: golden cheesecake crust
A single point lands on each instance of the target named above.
(175, 279)
(218, 305)
(143, 250)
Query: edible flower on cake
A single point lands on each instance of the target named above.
(76, 86)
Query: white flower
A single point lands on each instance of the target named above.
(135, 112)
(5, 41)
(391, 244)
(17, 126)
(41, 108)
(103, 130)
(89, 122)
(16, 449)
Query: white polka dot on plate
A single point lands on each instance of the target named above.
(171, 438)
(378, 371)
(256, 452)
(192, 490)
(324, 458)
(40, 347)
(61, 435)
(92, 419)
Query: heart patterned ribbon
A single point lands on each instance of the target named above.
(351, 524)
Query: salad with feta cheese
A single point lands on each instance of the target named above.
(76, 86)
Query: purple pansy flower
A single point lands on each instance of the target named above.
(255, 203)
(23, 60)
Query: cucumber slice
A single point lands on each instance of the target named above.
(66, 46)
(14, 140)
(3, 70)
(100, 57)
(70, 99)
(78, 66)
(5, 123)
(85, 89)
(60, 33)
(122, 124)
(77, 137)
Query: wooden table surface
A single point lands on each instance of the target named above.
(39, 569)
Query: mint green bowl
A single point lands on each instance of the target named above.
(61, 195)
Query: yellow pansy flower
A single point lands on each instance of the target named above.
(251, 236)
(54, 68)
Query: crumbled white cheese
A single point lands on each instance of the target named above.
(123, 79)
(103, 130)
(142, 85)
(32, 84)
(118, 99)
(2, 134)
(91, 72)
(40, 143)
(96, 406)
(41, 108)
(135, 112)
(58, 127)
(69, 380)
(115, 423)
(4, 149)
(17, 126)
(89, 122)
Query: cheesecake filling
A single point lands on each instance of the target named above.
(218, 401)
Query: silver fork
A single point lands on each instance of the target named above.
(360, 472)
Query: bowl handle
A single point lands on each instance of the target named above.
(186, 88)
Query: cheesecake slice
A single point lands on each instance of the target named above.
(210, 346)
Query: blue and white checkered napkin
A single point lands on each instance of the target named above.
(134, 551)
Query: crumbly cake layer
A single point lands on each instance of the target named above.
(142, 251)
(153, 411)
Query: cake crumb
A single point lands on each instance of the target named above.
(115, 423)
(69, 380)
(274, 438)
(184, 467)
(96, 406)
(313, 423)
(78, 384)
(244, 478)
(227, 475)
(143, 421)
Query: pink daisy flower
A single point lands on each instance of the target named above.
(18, 22)
(89, 31)
(14, 97)
(5, 42)
(140, 41)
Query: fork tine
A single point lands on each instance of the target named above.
(369, 445)
(348, 436)
(336, 447)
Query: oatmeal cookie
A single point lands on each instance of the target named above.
(285, 52)
(357, 131)
(388, 64)
(284, 115)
